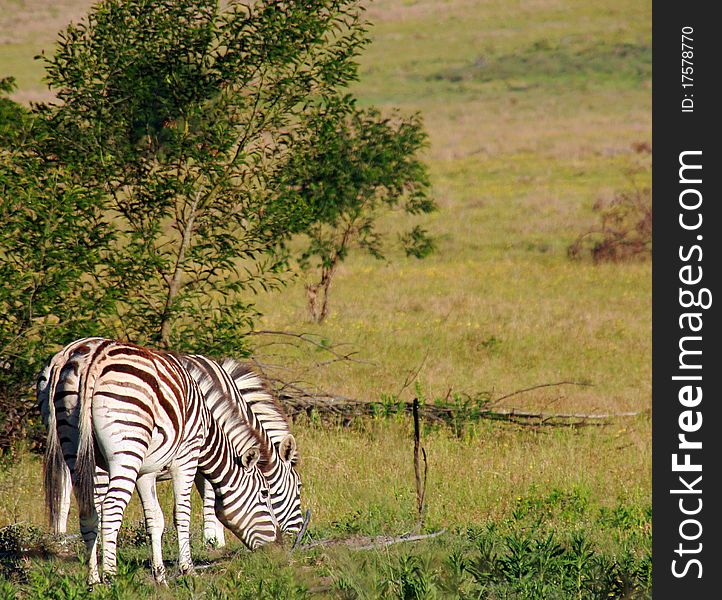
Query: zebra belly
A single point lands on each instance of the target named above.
(160, 453)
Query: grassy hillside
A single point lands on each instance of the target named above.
(535, 110)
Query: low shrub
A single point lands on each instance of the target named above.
(624, 231)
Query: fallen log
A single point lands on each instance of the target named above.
(297, 400)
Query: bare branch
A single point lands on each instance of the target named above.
(541, 385)
(412, 375)
(308, 339)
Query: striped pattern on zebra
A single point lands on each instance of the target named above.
(274, 421)
(262, 402)
(229, 404)
(140, 414)
(283, 478)
(54, 464)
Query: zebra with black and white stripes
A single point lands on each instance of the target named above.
(230, 403)
(57, 496)
(266, 426)
(274, 421)
(141, 415)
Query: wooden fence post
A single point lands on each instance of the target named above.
(419, 452)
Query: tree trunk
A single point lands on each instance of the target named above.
(175, 283)
(324, 284)
(311, 299)
(318, 293)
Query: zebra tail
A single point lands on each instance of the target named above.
(55, 470)
(84, 482)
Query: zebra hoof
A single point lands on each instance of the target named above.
(159, 576)
(188, 569)
(214, 542)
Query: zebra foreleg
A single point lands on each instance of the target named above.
(182, 485)
(154, 522)
(213, 533)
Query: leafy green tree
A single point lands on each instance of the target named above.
(356, 167)
(13, 117)
(54, 240)
(190, 142)
(184, 115)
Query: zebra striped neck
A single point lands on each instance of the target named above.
(229, 408)
(236, 417)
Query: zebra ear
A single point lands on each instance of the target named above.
(287, 448)
(249, 458)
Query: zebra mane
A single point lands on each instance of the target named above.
(261, 400)
(235, 410)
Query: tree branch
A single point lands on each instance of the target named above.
(537, 387)
(306, 337)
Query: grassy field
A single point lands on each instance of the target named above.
(535, 111)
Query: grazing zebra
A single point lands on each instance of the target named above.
(275, 422)
(139, 414)
(231, 411)
(232, 405)
(59, 505)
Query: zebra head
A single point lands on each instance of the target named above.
(286, 493)
(264, 413)
(243, 502)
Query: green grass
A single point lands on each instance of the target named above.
(478, 563)
(492, 482)
(533, 111)
(518, 490)
(571, 62)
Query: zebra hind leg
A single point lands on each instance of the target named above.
(122, 479)
(154, 523)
